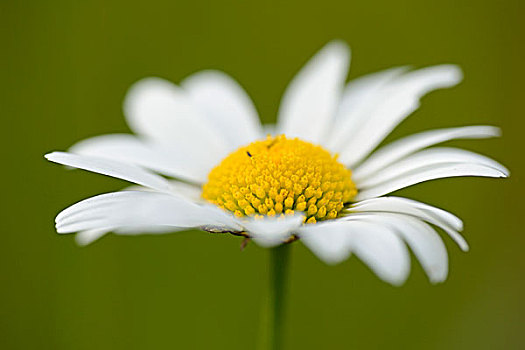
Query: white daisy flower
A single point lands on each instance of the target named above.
(201, 159)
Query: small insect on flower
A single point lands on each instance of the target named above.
(201, 159)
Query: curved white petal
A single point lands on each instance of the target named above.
(269, 232)
(376, 244)
(328, 241)
(410, 207)
(448, 222)
(225, 105)
(310, 101)
(413, 143)
(84, 238)
(422, 175)
(382, 250)
(157, 157)
(428, 248)
(184, 190)
(428, 158)
(400, 98)
(181, 189)
(129, 210)
(163, 113)
(430, 173)
(111, 168)
(422, 239)
(359, 98)
(188, 191)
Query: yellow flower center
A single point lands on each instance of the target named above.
(281, 176)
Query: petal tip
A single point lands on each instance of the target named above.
(494, 131)
(396, 282)
(453, 72)
(51, 155)
(337, 49)
(338, 44)
(142, 88)
(457, 73)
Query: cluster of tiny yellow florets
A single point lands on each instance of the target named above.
(281, 176)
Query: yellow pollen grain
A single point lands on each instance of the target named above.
(280, 176)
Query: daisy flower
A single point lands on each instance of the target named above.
(200, 158)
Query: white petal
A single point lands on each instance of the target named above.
(425, 159)
(112, 168)
(186, 191)
(328, 241)
(157, 157)
(399, 100)
(130, 210)
(310, 101)
(226, 106)
(382, 250)
(84, 238)
(448, 222)
(377, 245)
(413, 143)
(178, 189)
(269, 232)
(90, 204)
(359, 98)
(422, 239)
(164, 113)
(428, 248)
(422, 175)
(410, 207)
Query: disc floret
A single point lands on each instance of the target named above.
(281, 176)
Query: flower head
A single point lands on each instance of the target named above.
(201, 159)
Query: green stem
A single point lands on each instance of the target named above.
(279, 257)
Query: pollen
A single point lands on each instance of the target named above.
(280, 176)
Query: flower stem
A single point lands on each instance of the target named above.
(279, 257)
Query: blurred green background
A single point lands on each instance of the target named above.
(65, 67)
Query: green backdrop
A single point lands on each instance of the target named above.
(65, 67)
